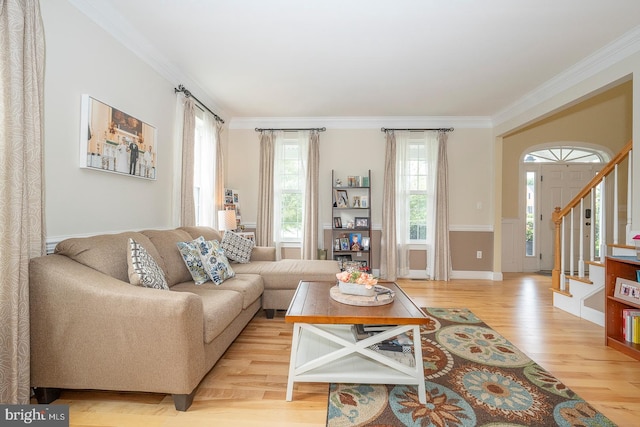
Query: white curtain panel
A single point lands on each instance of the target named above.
(278, 165)
(218, 183)
(402, 203)
(388, 252)
(187, 203)
(310, 233)
(22, 225)
(442, 262)
(433, 226)
(264, 222)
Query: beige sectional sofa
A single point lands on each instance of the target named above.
(92, 329)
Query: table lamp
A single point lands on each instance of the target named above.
(227, 220)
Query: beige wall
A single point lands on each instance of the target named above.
(354, 152)
(83, 59)
(604, 120)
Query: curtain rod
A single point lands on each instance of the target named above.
(188, 94)
(424, 129)
(290, 129)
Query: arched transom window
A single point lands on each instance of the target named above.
(565, 155)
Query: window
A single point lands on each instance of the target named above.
(197, 178)
(565, 154)
(204, 169)
(289, 186)
(417, 180)
(530, 188)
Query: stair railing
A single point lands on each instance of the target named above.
(606, 211)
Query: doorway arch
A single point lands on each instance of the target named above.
(567, 166)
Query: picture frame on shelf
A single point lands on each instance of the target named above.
(365, 181)
(341, 198)
(366, 243)
(355, 242)
(364, 202)
(344, 243)
(337, 222)
(336, 244)
(362, 222)
(355, 202)
(627, 290)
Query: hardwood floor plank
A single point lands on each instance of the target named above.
(247, 387)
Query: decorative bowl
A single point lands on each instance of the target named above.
(356, 289)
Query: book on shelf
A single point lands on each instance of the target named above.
(398, 343)
(631, 325)
(377, 328)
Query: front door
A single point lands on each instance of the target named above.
(559, 184)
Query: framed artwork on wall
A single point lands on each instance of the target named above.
(114, 141)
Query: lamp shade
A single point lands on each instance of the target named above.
(227, 220)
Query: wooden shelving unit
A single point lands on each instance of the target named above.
(625, 267)
(354, 217)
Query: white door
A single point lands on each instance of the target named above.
(559, 184)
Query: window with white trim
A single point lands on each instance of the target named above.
(289, 187)
(417, 180)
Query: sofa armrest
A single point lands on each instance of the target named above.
(263, 253)
(89, 330)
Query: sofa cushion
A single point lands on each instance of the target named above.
(190, 252)
(236, 247)
(249, 286)
(165, 242)
(107, 253)
(215, 262)
(287, 273)
(219, 306)
(143, 269)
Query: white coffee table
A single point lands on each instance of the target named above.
(323, 348)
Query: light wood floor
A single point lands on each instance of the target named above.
(247, 386)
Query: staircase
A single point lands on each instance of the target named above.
(578, 286)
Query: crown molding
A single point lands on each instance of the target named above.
(107, 18)
(361, 122)
(616, 51)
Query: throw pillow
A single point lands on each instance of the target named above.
(215, 262)
(190, 252)
(143, 269)
(236, 247)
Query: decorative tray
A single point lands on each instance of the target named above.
(383, 296)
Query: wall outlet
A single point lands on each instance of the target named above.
(479, 254)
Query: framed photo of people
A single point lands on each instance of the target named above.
(627, 290)
(117, 142)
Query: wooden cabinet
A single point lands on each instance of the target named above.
(351, 215)
(625, 267)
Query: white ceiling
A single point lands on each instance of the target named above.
(361, 58)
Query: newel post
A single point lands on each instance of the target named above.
(555, 273)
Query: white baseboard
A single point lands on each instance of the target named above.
(592, 315)
(477, 275)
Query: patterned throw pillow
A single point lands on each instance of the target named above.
(190, 252)
(215, 262)
(143, 269)
(236, 247)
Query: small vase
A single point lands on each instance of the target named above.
(355, 289)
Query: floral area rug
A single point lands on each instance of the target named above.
(474, 377)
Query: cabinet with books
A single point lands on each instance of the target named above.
(351, 227)
(622, 305)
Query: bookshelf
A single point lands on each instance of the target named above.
(351, 216)
(625, 267)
